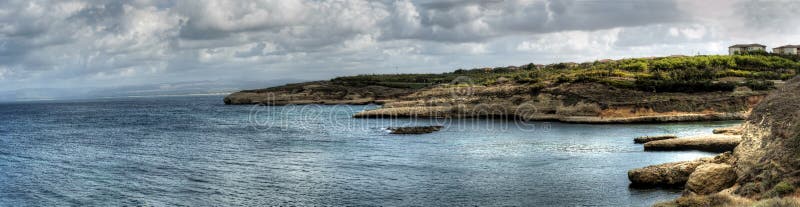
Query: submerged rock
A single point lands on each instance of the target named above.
(646, 139)
(711, 178)
(414, 129)
(710, 143)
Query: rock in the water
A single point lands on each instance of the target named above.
(668, 174)
(734, 130)
(711, 143)
(414, 129)
(646, 139)
(674, 174)
(710, 178)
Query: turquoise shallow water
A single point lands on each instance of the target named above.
(195, 151)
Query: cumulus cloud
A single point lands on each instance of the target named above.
(75, 43)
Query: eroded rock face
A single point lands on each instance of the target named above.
(766, 163)
(710, 178)
(674, 174)
(317, 92)
(667, 174)
(574, 102)
(770, 149)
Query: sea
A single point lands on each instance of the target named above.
(196, 151)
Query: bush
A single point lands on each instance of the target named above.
(667, 74)
(781, 189)
(760, 84)
(635, 67)
(563, 79)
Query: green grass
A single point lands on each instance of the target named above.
(781, 189)
(664, 74)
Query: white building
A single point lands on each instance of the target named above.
(786, 50)
(732, 50)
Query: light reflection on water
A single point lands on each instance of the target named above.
(196, 151)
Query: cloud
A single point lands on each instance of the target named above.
(75, 43)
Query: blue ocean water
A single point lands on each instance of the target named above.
(195, 151)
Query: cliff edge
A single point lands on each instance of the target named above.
(653, 89)
(768, 158)
(765, 165)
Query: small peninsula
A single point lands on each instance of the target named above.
(651, 89)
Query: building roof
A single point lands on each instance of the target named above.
(788, 46)
(747, 45)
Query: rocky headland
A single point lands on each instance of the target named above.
(763, 170)
(667, 89)
(572, 102)
(568, 102)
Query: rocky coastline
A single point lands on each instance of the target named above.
(570, 102)
(762, 169)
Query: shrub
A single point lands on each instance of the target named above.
(563, 79)
(635, 67)
(678, 74)
(781, 189)
(787, 76)
(760, 84)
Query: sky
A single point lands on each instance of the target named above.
(79, 44)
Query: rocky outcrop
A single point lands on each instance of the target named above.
(668, 174)
(710, 178)
(415, 129)
(710, 143)
(573, 102)
(674, 174)
(765, 163)
(734, 130)
(318, 92)
(769, 155)
(646, 139)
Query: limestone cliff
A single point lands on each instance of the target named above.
(575, 102)
(765, 165)
(768, 157)
(318, 92)
(569, 102)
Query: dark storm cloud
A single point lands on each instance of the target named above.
(472, 21)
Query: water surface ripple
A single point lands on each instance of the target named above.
(195, 151)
